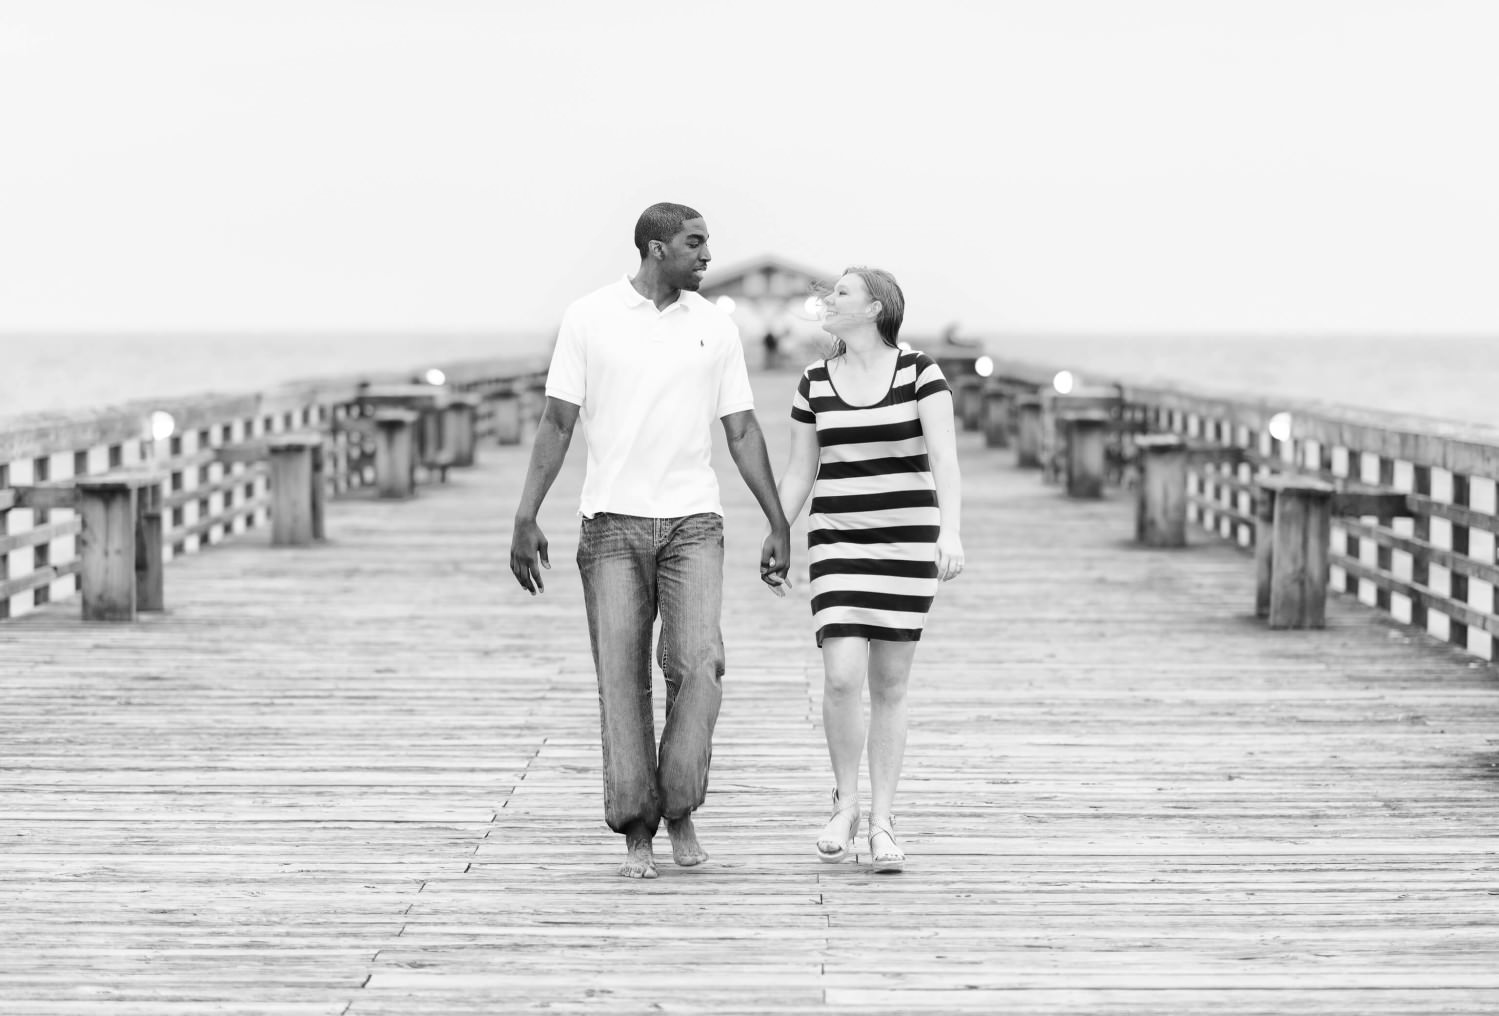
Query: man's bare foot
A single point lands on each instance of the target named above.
(685, 849)
(641, 860)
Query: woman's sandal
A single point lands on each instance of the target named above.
(888, 862)
(839, 830)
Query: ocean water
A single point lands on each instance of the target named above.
(1454, 378)
(61, 372)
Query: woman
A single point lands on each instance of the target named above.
(873, 429)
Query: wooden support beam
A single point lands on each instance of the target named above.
(1161, 498)
(1358, 501)
(44, 497)
(1199, 455)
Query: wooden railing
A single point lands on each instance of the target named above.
(1429, 559)
(211, 482)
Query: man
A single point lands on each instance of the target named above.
(649, 365)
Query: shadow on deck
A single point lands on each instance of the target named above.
(363, 778)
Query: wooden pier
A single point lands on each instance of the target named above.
(362, 777)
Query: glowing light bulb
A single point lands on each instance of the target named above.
(435, 377)
(983, 366)
(813, 307)
(1063, 382)
(1280, 426)
(163, 425)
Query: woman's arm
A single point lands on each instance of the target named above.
(801, 469)
(942, 449)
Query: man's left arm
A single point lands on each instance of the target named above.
(747, 446)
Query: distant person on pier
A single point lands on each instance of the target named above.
(772, 344)
(872, 440)
(648, 365)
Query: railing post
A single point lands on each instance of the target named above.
(970, 400)
(1086, 430)
(508, 424)
(150, 572)
(458, 425)
(395, 452)
(1161, 498)
(1028, 432)
(111, 544)
(296, 489)
(1264, 546)
(1301, 530)
(996, 417)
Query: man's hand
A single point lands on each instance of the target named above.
(528, 546)
(775, 559)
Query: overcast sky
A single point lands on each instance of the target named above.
(1049, 165)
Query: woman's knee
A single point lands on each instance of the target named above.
(890, 674)
(842, 683)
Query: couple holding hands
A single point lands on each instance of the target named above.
(648, 364)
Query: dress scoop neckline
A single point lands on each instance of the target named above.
(890, 387)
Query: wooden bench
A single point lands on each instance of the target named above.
(298, 488)
(1163, 462)
(119, 542)
(1293, 538)
(1084, 455)
(429, 404)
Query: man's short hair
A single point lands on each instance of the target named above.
(661, 221)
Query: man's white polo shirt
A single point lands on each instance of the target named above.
(651, 384)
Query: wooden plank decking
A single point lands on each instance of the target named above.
(363, 779)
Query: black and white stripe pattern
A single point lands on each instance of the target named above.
(872, 534)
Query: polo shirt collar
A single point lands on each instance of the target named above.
(633, 299)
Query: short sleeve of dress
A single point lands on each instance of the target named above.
(929, 377)
(801, 403)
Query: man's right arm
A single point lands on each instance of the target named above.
(528, 545)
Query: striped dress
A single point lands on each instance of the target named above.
(872, 534)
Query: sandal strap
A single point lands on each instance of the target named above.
(889, 832)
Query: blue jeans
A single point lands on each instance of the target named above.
(634, 568)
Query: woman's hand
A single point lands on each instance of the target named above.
(949, 557)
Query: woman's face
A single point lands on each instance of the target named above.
(847, 305)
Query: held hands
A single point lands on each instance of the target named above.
(528, 546)
(949, 557)
(775, 560)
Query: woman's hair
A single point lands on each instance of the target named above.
(882, 287)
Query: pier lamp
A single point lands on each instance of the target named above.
(163, 425)
(435, 377)
(983, 366)
(725, 303)
(1280, 426)
(813, 307)
(1064, 382)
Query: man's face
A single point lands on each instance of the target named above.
(686, 256)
